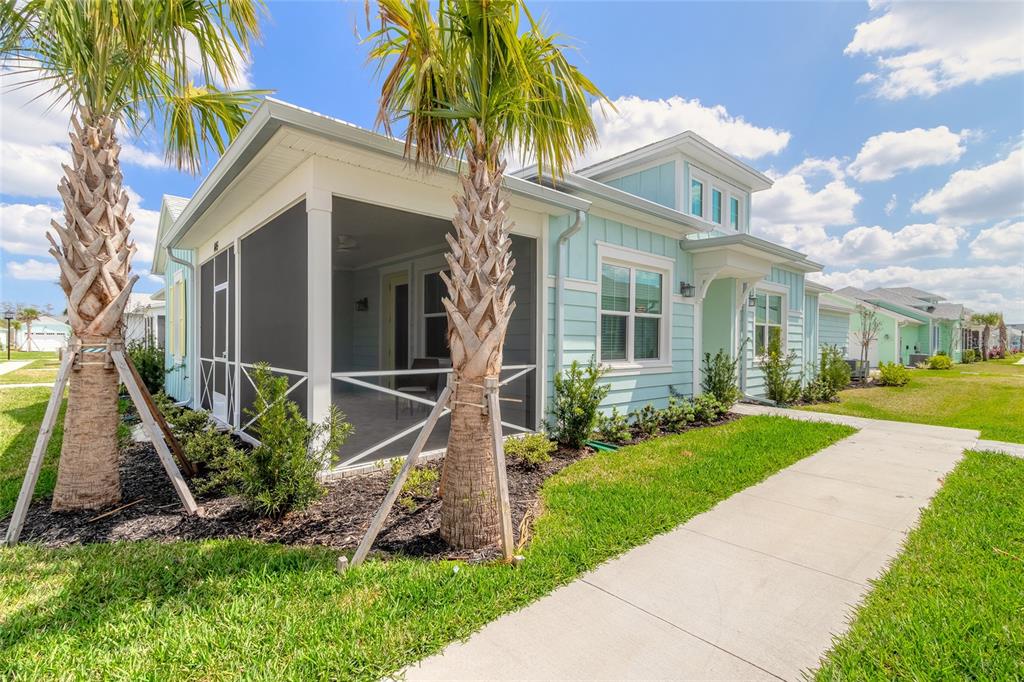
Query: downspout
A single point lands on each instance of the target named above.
(563, 266)
(191, 312)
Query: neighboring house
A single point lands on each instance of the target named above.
(49, 333)
(895, 331)
(315, 247)
(933, 325)
(144, 319)
(834, 320)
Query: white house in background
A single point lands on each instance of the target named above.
(144, 319)
(49, 333)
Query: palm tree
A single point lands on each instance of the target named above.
(27, 316)
(465, 80)
(989, 320)
(116, 64)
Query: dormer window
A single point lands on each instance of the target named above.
(734, 213)
(697, 197)
(716, 206)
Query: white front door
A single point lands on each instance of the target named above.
(220, 353)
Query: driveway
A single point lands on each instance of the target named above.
(755, 588)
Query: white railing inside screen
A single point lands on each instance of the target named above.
(276, 370)
(356, 379)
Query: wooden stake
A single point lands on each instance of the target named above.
(396, 487)
(179, 454)
(35, 462)
(504, 508)
(153, 431)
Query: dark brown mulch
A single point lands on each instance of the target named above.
(338, 520)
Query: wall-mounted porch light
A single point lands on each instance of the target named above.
(752, 300)
(687, 290)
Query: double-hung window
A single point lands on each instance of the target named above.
(632, 314)
(716, 206)
(767, 322)
(697, 197)
(734, 213)
(435, 319)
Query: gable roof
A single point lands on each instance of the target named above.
(689, 144)
(170, 208)
(861, 297)
(915, 293)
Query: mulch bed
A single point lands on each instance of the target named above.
(338, 520)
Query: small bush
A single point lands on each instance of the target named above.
(818, 389)
(835, 370)
(418, 486)
(893, 374)
(613, 428)
(719, 377)
(678, 415)
(280, 474)
(776, 366)
(149, 362)
(970, 355)
(577, 396)
(531, 450)
(707, 409)
(647, 421)
(940, 361)
(214, 453)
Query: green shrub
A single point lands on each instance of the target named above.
(149, 361)
(940, 361)
(214, 454)
(835, 371)
(613, 428)
(531, 450)
(678, 415)
(818, 389)
(418, 487)
(776, 366)
(719, 377)
(279, 475)
(647, 421)
(707, 409)
(970, 355)
(577, 396)
(893, 374)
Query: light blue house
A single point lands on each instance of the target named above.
(315, 247)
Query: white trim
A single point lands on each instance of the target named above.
(634, 256)
(635, 369)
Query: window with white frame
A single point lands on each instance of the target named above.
(734, 213)
(633, 318)
(768, 326)
(716, 205)
(435, 319)
(697, 196)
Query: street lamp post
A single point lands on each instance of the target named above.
(8, 315)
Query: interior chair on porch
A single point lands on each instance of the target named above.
(422, 385)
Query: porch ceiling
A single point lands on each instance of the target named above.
(364, 233)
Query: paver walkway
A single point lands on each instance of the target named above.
(752, 589)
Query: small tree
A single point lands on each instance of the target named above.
(870, 325)
(27, 316)
(1004, 339)
(987, 320)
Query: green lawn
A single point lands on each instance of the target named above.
(952, 605)
(21, 413)
(224, 609)
(988, 396)
(43, 368)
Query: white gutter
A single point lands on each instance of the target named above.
(563, 265)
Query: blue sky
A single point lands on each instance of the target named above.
(894, 132)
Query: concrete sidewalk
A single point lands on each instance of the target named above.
(753, 589)
(13, 365)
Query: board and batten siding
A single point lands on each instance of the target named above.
(178, 381)
(794, 282)
(834, 329)
(657, 184)
(581, 312)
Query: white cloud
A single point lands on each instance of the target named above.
(980, 288)
(793, 201)
(33, 269)
(140, 157)
(1004, 242)
(874, 244)
(923, 49)
(31, 170)
(638, 122)
(890, 206)
(24, 227)
(243, 76)
(992, 192)
(888, 153)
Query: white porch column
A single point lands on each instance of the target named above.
(318, 303)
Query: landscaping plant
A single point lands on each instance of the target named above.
(707, 409)
(577, 397)
(647, 421)
(777, 367)
(113, 65)
(149, 362)
(987, 320)
(893, 374)
(613, 427)
(478, 81)
(677, 416)
(718, 377)
(419, 485)
(279, 474)
(869, 327)
(940, 361)
(818, 389)
(835, 371)
(531, 450)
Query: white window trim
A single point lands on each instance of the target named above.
(740, 199)
(705, 196)
(722, 215)
(729, 191)
(635, 259)
(783, 293)
(422, 316)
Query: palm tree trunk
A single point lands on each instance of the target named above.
(94, 255)
(479, 306)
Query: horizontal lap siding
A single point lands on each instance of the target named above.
(834, 329)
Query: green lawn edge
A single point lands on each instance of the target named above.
(951, 606)
(227, 609)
